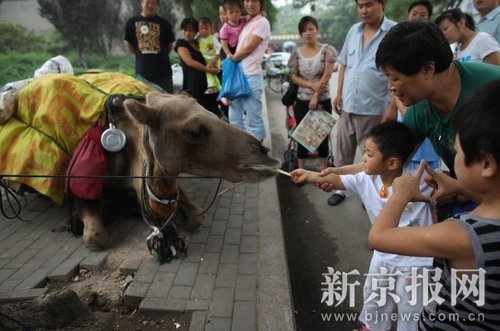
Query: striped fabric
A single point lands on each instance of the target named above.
(466, 314)
(53, 113)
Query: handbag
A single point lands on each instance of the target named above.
(234, 82)
(89, 159)
(290, 96)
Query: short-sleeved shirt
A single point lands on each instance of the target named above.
(311, 69)
(231, 33)
(194, 81)
(491, 23)
(482, 45)
(365, 87)
(424, 120)
(415, 214)
(260, 27)
(150, 37)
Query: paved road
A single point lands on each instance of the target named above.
(318, 236)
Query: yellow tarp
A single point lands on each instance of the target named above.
(53, 113)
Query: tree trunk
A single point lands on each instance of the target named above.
(186, 6)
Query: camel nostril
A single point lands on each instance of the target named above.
(264, 149)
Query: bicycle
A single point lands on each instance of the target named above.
(276, 77)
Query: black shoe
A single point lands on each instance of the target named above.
(335, 199)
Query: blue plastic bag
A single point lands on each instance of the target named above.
(234, 82)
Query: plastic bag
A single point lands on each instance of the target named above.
(89, 159)
(55, 65)
(234, 82)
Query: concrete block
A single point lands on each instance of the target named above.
(248, 244)
(198, 319)
(162, 305)
(135, 293)
(246, 288)
(230, 254)
(94, 261)
(66, 270)
(186, 275)
(209, 263)
(245, 316)
(248, 264)
(226, 276)
(214, 244)
(204, 287)
(233, 236)
(222, 303)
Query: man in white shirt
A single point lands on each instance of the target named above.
(490, 17)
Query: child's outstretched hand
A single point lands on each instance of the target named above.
(299, 176)
(408, 186)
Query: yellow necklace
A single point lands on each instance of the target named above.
(383, 191)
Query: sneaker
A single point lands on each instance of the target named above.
(335, 199)
(362, 328)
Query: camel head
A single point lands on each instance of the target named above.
(183, 137)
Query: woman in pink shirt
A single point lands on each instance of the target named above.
(252, 43)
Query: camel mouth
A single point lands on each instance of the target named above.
(269, 169)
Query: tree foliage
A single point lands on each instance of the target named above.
(16, 38)
(88, 26)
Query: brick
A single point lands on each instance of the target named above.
(147, 271)
(203, 287)
(246, 288)
(248, 244)
(237, 209)
(218, 227)
(222, 303)
(221, 213)
(6, 273)
(173, 265)
(135, 293)
(214, 244)
(251, 214)
(250, 203)
(66, 270)
(22, 258)
(235, 221)
(218, 324)
(210, 263)
(195, 252)
(249, 228)
(22, 295)
(198, 319)
(130, 265)
(200, 237)
(248, 264)
(224, 201)
(230, 254)
(186, 274)
(16, 249)
(161, 285)
(226, 277)
(180, 292)
(233, 236)
(244, 317)
(162, 305)
(198, 305)
(94, 261)
(35, 280)
(57, 259)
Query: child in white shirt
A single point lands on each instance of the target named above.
(387, 148)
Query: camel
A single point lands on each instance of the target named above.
(166, 136)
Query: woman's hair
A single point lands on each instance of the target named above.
(304, 21)
(455, 15)
(189, 22)
(408, 45)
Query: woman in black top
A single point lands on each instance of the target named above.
(194, 66)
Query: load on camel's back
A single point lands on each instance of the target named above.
(165, 135)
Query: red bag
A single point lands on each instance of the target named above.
(89, 159)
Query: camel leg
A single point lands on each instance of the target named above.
(192, 219)
(95, 236)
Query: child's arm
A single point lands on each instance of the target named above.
(225, 47)
(447, 240)
(302, 175)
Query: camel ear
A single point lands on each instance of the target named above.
(140, 112)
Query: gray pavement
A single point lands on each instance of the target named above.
(234, 277)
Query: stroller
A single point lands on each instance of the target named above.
(290, 159)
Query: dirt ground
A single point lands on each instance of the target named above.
(93, 300)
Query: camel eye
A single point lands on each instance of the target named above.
(197, 136)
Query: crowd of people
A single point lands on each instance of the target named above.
(415, 96)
